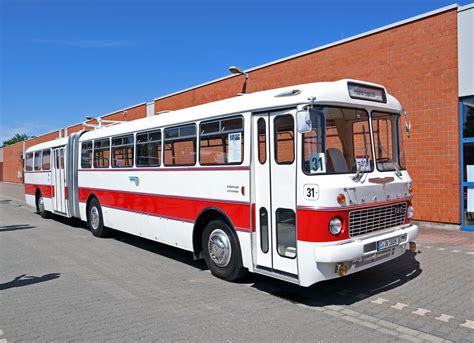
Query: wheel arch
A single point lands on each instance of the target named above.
(206, 216)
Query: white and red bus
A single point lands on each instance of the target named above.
(303, 183)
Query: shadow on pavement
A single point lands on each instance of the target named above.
(4, 202)
(341, 291)
(15, 227)
(161, 249)
(142, 243)
(346, 290)
(25, 280)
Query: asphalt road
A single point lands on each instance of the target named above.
(58, 282)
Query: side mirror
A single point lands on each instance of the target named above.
(407, 123)
(303, 121)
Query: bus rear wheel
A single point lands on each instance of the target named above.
(95, 220)
(221, 251)
(40, 206)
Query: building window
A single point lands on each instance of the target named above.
(46, 159)
(122, 152)
(37, 164)
(102, 153)
(284, 139)
(29, 162)
(148, 149)
(221, 142)
(86, 155)
(180, 146)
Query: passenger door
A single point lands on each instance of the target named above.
(274, 181)
(59, 180)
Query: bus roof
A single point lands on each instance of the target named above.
(334, 93)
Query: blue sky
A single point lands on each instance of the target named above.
(62, 60)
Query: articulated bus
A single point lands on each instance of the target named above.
(304, 183)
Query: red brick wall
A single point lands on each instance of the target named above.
(41, 139)
(417, 62)
(13, 163)
(129, 114)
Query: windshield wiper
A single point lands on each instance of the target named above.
(360, 170)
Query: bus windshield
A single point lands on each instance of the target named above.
(338, 143)
(388, 141)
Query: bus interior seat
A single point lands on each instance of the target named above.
(337, 160)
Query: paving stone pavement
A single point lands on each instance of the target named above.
(59, 283)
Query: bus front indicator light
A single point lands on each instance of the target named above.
(335, 226)
(341, 199)
(410, 212)
(341, 269)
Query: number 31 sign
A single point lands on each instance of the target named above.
(317, 163)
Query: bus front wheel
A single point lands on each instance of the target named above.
(222, 251)
(95, 220)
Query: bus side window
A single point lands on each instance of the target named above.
(38, 161)
(122, 152)
(86, 155)
(102, 153)
(221, 142)
(286, 232)
(29, 162)
(284, 139)
(262, 140)
(46, 162)
(148, 150)
(264, 245)
(180, 146)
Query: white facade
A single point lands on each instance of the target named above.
(466, 50)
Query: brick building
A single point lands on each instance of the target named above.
(424, 61)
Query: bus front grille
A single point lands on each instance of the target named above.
(374, 219)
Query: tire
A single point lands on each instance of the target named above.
(40, 206)
(222, 251)
(95, 220)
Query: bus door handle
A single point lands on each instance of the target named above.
(134, 179)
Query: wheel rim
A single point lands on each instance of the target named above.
(41, 204)
(219, 248)
(95, 217)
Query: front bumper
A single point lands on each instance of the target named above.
(361, 247)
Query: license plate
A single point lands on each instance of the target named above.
(387, 243)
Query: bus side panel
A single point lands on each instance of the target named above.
(39, 180)
(171, 232)
(162, 204)
(246, 249)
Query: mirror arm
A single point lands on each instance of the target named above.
(407, 123)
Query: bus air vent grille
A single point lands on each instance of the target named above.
(374, 219)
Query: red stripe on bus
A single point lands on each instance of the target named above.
(178, 208)
(313, 226)
(47, 191)
(254, 222)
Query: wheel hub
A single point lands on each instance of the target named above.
(95, 218)
(219, 248)
(41, 204)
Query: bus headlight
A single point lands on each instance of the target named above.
(410, 212)
(335, 226)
